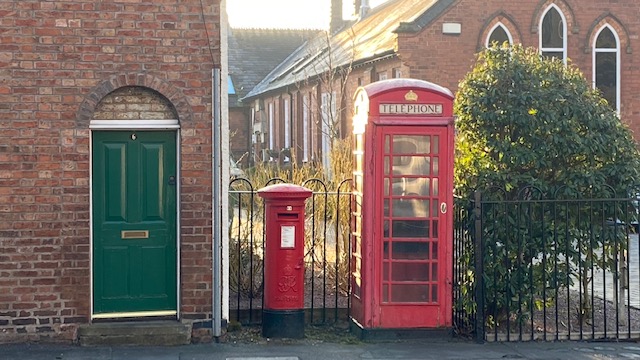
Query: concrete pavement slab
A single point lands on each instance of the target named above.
(398, 350)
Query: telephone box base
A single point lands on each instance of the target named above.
(283, 324)
(383, 334)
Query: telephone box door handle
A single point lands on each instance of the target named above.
(443, 208)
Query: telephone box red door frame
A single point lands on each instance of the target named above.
(403, 205)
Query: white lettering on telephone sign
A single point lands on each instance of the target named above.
(410, 109)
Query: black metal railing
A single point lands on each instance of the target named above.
(327, 243)
(537, 268)
(526, 267)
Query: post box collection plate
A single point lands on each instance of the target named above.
(287, 236)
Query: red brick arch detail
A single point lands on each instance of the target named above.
(98, 92)
(608, 19)
(507, 21)
(572, 24)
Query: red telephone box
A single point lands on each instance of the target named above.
(403, 201)
(283, 310)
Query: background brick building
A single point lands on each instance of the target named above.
(75, 74)
(436, 40)
(253, 53)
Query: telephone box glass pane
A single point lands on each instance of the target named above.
(435, 166)
(435, 186)
(434, 272)
(386, 207)
(411, 250)
(398, 186)
(409, 272)
(411, 165)
(410, 293)
(386, 187)
(409, 208)
(434, 229)
(386, 228)
(410, 229)
(409, 186)
(387, 146)
(436, 144)
(411, 144)
(386, 165)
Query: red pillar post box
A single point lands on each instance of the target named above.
(283, 308)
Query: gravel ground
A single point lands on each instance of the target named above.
(563, 321)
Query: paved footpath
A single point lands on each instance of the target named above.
(430, 349)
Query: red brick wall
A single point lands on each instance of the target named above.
(58, 59)
(445, 59)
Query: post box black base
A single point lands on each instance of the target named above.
(283, 324)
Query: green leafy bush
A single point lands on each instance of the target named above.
(532, 128)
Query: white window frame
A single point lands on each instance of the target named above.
(271, 129)
(329, 114)
(493, 28)
(605, 50)
(564, 33)
(305, 128)
(287, 126)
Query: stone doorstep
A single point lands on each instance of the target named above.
(167, 333)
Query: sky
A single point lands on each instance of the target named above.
(294, 14)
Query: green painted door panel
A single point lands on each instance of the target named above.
(134, 221)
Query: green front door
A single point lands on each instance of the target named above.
(134, 223)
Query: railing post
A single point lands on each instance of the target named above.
(479, 266)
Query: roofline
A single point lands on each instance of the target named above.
(422, 21)
(426, 18)
(389, 54)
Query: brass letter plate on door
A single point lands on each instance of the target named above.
(135, 234)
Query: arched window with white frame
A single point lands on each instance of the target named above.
(606, 65)
(553, 33)
(499, 34)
